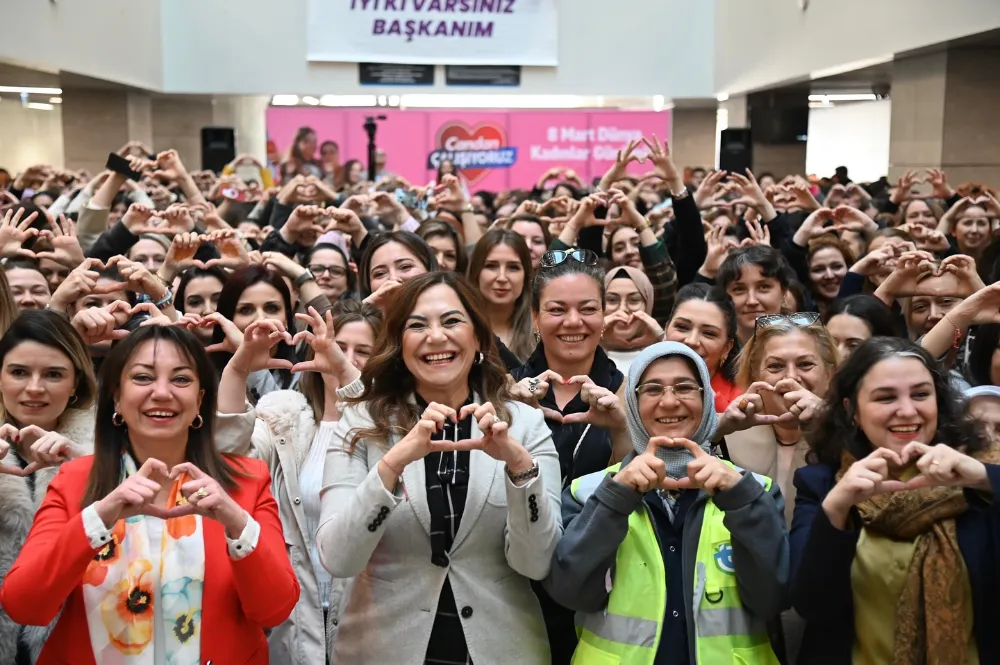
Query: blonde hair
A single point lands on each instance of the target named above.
(751, 355)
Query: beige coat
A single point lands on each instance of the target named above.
(280, 431)
(756, 449)
(381, 541)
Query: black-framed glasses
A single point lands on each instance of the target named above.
(335, 271)
(555, 257)
(797, 318)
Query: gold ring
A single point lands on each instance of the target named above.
(201, 494)
(743, 405)
(934, 463)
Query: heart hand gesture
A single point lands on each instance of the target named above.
(606, 410)
(705, 471)
(329, 358)
(531, 389)
(136, 495)
(799, 402)
(747, 411)
(943, 466)
(254, 351)
(205, 497)
(14, 232)
(865, 478)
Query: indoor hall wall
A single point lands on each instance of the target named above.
(29, 136)
(762, 43)
(693, 137)
(115, 40)
(851, 135)
(605, 48)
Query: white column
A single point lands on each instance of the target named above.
(247, 115)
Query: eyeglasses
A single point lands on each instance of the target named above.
(798, 318)
(682, 391)
(555, 257)
(335, 271)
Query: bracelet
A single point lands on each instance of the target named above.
(165, 300)
(391, 468)
(957, 342)
(306, 276)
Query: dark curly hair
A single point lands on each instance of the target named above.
(835, 430)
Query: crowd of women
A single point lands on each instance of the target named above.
(720, 418)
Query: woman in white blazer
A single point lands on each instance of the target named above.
(291, 431)
(441, 500)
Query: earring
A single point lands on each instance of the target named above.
(117, 420)
(479, 357)
(72, 398)
(538, 336)
(197, 422)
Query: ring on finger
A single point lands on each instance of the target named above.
(743, 404)
(201, 493)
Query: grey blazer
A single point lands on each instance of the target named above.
(381, 540)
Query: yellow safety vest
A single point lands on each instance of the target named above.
(627, 632)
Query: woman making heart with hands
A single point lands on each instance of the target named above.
(663, 500)
(437, 484)
(895, 524)
(156, 516)
(786, 365)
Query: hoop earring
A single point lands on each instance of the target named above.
(197, 422)
(72, 398)
(479, 358)
(117, 420)
(538, 336)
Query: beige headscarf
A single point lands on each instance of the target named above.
(638, 278)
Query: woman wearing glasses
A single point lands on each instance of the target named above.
(629, 326)
(673, 555)
(329, 266)
(786, 368)
(572, 380)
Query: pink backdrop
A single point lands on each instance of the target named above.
(585, 141)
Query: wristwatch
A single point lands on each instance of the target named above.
(306, 276)
(524, 475)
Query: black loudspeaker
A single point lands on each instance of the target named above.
(218, 147)
(735, 150)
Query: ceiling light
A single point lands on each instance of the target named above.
(55, 100)
(39, 106)
(658, 101)
(852, 97)
(311, 101)
(722, 97)
(285, 100)
(347, 100)
(446, 101)
(820, 105)
(393, 100)
(30, 91)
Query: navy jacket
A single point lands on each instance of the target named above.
(821, 568)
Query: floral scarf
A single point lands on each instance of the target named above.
(120, 589)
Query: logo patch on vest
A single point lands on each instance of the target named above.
(724, 558)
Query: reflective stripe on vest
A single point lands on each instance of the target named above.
(628, 630)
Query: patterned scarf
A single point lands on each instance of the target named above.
(120, 589)
(930, 614)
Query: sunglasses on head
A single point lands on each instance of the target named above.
(798, 318)
(555, 257)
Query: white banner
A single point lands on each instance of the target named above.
(434, 32)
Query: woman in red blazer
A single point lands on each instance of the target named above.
(156, 549)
